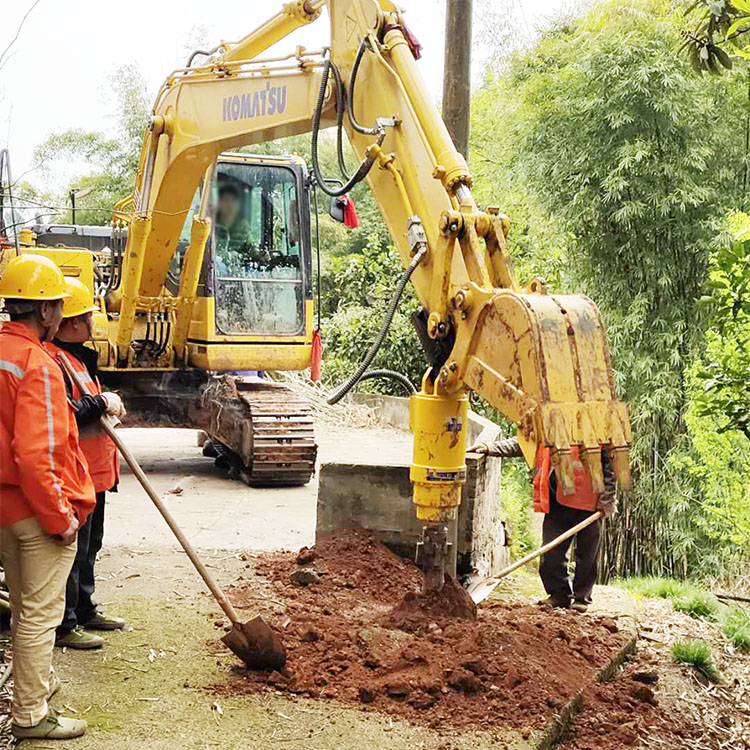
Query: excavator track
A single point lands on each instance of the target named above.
(266, 428)
(284, 449)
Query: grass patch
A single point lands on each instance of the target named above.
(697, 603)
(736, 627)
(696, 654)
(685, 597)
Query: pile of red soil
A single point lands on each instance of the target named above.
(514, 665)
(628, 712)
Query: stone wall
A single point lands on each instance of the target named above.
(378, 498)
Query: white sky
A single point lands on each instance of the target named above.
(57, 75)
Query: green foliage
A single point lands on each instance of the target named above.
(685, 597)
(697, 603)
(610, 145)
(720, 34)
(516, 505)
(696, 654)
(724, 368)
(357, 288)
(736, 627)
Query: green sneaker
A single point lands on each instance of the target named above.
(51, 727)
(580, 606)
(78, 638)
(100, 621)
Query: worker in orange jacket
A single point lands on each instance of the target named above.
(46, 489)
(81, 610)
(562, 512)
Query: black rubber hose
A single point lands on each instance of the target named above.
(390, 375)
(364, 166)
(340, 106)
(350, 103)
(342, 390)
(317, 248)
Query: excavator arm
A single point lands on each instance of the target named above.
(540, 358)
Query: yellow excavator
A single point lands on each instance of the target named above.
(213, 273)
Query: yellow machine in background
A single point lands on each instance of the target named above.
(540, 358)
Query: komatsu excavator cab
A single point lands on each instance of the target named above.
(256, 278)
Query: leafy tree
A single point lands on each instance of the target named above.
(111, 162)
(724, 364)
(719, 34)
(356, 291)
(632, 158)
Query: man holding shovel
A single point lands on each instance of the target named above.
(45, 487)
(81, 611)
(563, 512)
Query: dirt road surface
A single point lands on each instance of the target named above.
(154, 685)
(218, 513)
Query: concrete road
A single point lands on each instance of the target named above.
(218, 513)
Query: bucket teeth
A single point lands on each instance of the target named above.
(621, 461)
(592, 460)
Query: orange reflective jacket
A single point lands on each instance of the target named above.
(43, 472)
(100, 451)
(584, 496)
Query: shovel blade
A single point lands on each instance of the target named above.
(257, 644)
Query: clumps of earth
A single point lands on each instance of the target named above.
(357, 630)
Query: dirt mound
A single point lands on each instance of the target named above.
(451, 601)
(351, 560)
(513, 665)
(627, 713)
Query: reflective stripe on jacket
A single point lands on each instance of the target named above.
(43, 472)
(584, 497)
(100, 451)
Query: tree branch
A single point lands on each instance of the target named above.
(18, 30)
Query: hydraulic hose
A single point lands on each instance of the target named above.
(342, 390)
(350, 103)
(390, 375)
(365, 164)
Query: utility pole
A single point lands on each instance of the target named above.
(457, 77)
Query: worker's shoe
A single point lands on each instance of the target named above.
(54, 686)
(51, 727)
(100, 621)
(580, 606)
(78, 638)
(552, 603)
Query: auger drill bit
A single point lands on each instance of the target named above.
(434, 555)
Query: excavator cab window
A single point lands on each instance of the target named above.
(257, 257)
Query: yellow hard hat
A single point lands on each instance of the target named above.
(80, 300)
(32, 277)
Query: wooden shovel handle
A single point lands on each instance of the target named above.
(494, 580)
(550, 545)
(135, 467)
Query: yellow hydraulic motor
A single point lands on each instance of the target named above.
(438, 470)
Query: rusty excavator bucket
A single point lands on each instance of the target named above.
(544, 357)
(541, 358)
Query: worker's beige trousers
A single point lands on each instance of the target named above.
(36, 569)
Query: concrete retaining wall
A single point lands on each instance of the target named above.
(378, 498)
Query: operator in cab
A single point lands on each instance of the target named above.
(235, 251)
(563, 512)
(82, 613)
(47, 493)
